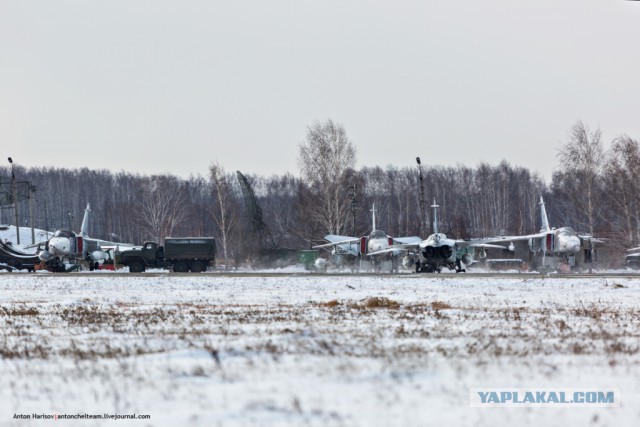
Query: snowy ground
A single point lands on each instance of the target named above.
(313, 350)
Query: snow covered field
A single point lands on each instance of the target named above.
(314, 350)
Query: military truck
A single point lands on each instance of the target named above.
(182, 254)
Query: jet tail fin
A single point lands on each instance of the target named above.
(435, 207)
(84, 229)
(373, 224)
(544, 221)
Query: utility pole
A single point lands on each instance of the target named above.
(32, 190)
(353, 205)
(14, 199)
(46, 219)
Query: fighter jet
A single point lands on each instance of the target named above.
(632, 258)
(438, 251)
(372, 248)
(66, 250)
(563, 243)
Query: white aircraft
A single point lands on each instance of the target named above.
(373, 248)
(632, 258)
(437, 250)
(561, 242)
(68, 247)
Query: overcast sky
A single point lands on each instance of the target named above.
(172, 86)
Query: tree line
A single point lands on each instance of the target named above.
(594, 190)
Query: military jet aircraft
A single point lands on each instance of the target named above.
(632, 258)
(438, 251)
(563, 243)
(66, 249)
(372, 248)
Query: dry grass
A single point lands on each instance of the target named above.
(381, 302)
(330, 304)
(18, 311)
(371, 327)
(439, 305)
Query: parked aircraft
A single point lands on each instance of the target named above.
(438, 251)
(67, 246)
(16, 258)
(563, 243)
(372, 248)
(632, 258)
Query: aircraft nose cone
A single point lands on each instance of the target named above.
(574, 246)
(59, 246)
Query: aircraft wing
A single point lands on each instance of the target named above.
(103, 243)
(507, 239)
(495, 242)
(468, 244)
(408, 240)
(404, 244)
(335, 240)
(590, 238)
(344, 244)
(383, 251)
(397, 248)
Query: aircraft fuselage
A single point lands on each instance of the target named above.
(438, 251)
(563, 240)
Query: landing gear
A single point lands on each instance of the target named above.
(428, 268)
(459, 268)
(394, 265)
(55, 266)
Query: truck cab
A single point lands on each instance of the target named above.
(138, 259)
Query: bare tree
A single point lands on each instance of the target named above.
(622, 174)
(279, 208)
(327, 159)
(162, 207)
(581, 171)
(223, 212)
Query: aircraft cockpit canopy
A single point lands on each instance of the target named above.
(567, 231)
(377, 234)
(64, 233)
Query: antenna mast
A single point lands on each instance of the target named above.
(422, 201)
(435, 216)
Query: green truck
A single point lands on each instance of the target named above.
(182, 254)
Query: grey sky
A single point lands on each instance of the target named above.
(171, 86)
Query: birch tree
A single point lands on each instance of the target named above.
(327, 159)
(622, 173)
(162, 207)
(223, 212)
(581, 167)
